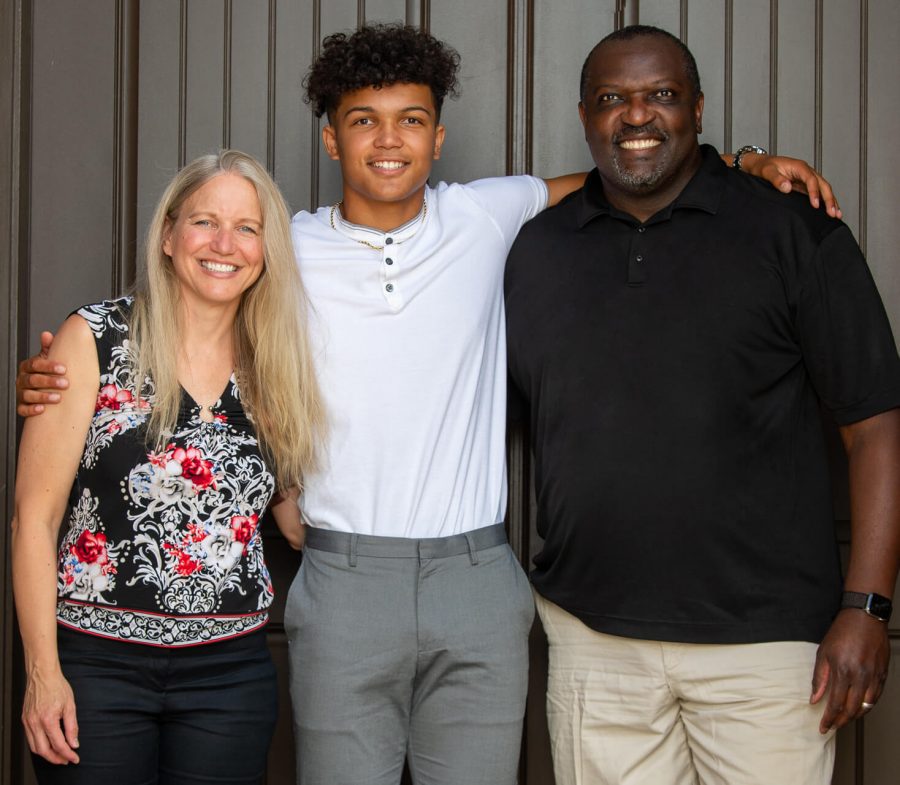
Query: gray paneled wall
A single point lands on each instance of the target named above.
(118, 93)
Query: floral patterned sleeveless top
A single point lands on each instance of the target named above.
(163, 546)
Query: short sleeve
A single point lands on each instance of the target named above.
(844, 332)
(510, 201)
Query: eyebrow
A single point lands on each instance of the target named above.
(412, 108)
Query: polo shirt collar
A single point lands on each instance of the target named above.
(703, 192)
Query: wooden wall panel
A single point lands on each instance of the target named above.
(295, 142)
(247, 112)
(560, 51)
(73, 145)
(750, 47)
(159, 104)
(883, 159)
(795, 98)
(475, 144)
(840, 105)
(385, 11)
(205, 75)
(335, 16)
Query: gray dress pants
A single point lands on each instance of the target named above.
(413, 649)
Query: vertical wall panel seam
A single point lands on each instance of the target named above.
(271, 84)
(182, 82)
(773, 76)
(729, 73)
(683, 20)
(817, 104)
(529, 86)
(314, 121)
(863, 121)
(360, 12)
(125, 141)
(11, 734)
(226, 74)
(510, 85)
(425, 15)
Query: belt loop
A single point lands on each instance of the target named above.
(473, 554)
(354, 540)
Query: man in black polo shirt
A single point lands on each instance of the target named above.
(675, 327)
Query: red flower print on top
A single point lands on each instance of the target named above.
(194, 468)
(188, 463)
(243, 528)
(111, 397)
(90, 548)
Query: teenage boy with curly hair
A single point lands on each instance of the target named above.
(408, 620)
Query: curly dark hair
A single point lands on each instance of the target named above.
(378, 56)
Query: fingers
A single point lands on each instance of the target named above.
(46, 340)
(70, 726)
(843, 703)
(45, 738)
(851, 694)
(827, 194)
(43, 368)
(31, 402)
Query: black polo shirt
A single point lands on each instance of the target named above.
(674, 371)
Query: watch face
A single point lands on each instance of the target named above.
(879, 606)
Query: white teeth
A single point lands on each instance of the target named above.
(388, 164)
(216, 267)
(639, 144)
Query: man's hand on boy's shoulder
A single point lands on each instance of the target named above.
(38, 380)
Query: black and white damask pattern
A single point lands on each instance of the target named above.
(163, 545)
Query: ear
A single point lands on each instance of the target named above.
(582, 115)
(167, 238)
(329, 139)
(698, 114)
(438, 141)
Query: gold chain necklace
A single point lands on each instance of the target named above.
(338, 205)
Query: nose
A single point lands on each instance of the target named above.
(223, 240)
(388, 136)
(637, 111)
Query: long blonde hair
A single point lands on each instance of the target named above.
(273, 366)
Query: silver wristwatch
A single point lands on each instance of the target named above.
(747, 148)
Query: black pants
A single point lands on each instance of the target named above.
(149, 716)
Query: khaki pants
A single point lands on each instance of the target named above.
(633, 712)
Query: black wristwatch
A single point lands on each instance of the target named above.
(875, 605)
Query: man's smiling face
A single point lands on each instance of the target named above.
(386, 139)
(641, 117)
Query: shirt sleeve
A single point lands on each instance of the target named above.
(845, 335)
(510, 201)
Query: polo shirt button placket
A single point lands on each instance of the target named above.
(637, 272)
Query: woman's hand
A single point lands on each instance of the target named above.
(48, 715)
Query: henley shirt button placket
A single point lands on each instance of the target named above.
(389, 271)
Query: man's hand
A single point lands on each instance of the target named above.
(37, 379)
(788, 174)
(851, 667)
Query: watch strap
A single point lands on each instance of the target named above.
(876, 605)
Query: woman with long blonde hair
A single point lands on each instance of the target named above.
(191, 403)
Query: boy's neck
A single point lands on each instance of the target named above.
(383, 216)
